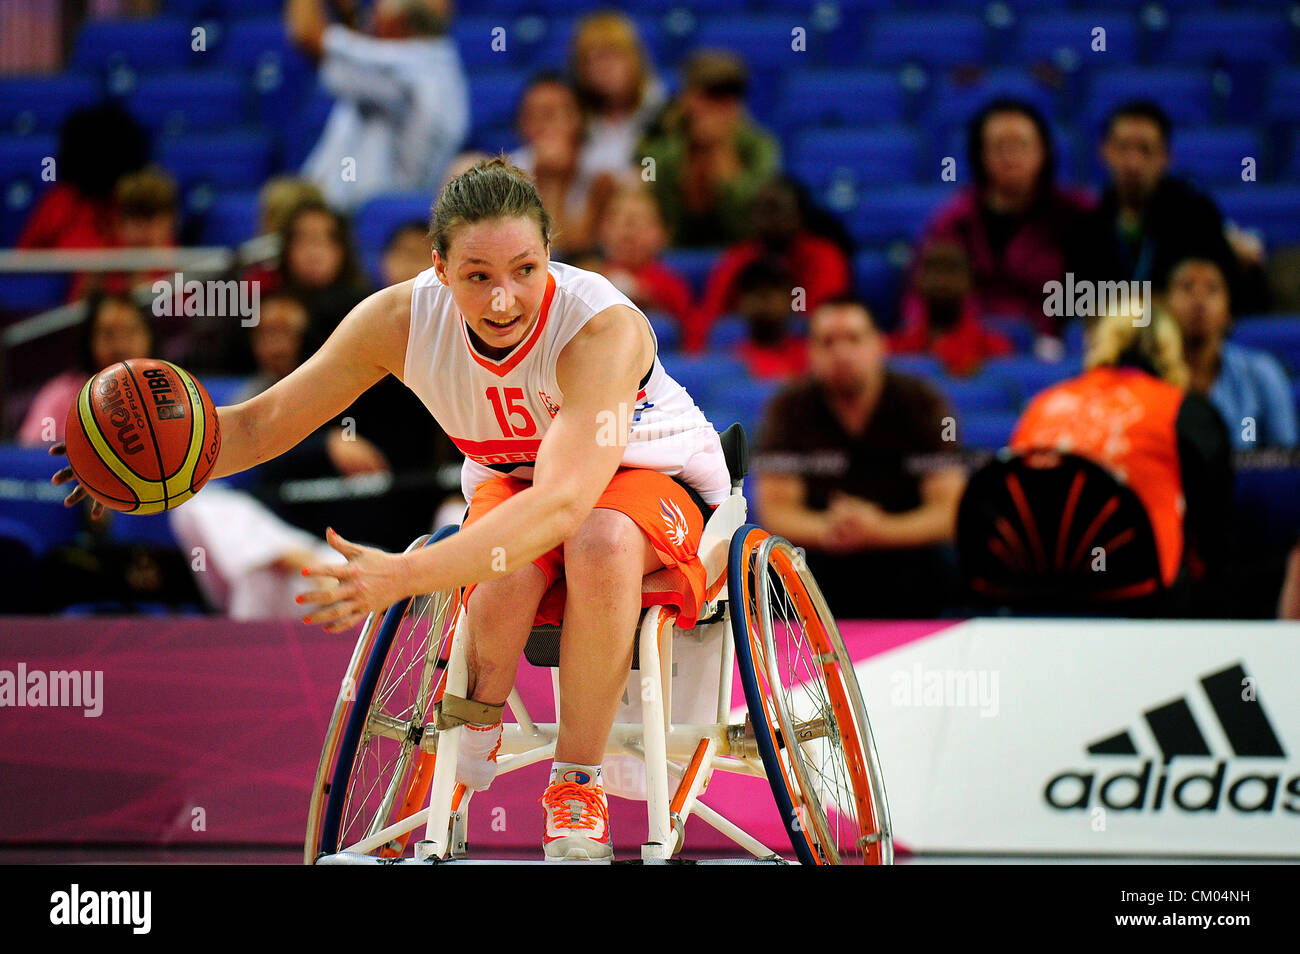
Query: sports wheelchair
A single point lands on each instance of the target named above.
(389, 760)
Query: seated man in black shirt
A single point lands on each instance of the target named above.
(841, 472)
(1148, 220)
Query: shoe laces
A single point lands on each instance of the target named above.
(557, 798)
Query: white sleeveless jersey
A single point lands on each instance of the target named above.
(497, 411)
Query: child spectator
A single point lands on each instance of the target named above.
(777, 231)
(941, 316)
(771, 349)
(116, 329)
(407, 252)
(632, 236)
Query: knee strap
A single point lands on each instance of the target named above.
(452, 711)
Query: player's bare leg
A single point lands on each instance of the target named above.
(603, 566)
(500, 615)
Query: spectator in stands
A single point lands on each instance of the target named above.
(616, 85)
(318, 263)
(146, 213)
(115, 329)
(277, 199)
(941, 316)
(1249, 387)
(1148, 220)
(407, 252)
(839, 473)
(401, 106)
(573, 185)
(771, 348)
(277, 341)
(1131, 412)
(710, 157)
(1014, 222)
(817, 265)
(631, 237)
(97, 146)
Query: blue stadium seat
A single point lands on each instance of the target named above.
(1233, 35)
(982, 393)
(877, 280)
(1014, 328)
(231, 219)
(904, 212)
(727, 332)
(1282, 95)
(185, 103)
(494, 97)
(925, 366)
(1212, 155)
(693, 264)
(493, 139)
(954, 101)
(474, 36)
(279, 73)
(1186, 94)
(936, 39)
(872, 156)
(744, 401)
(154, 44)
(1273, 209)
(300, 132)
(1025, 375)
(841, 97)
(375, 221)
(40, 104)
(705, 374)
(1066, 39)
(218, 160)
(986, 430)
(22, 161)
(763, 40)
(1279, 335)
(32, 500)
(223, 388)
(668, 332)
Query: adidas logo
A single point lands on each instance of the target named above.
(1245, 724)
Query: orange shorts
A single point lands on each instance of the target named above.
(657, 504)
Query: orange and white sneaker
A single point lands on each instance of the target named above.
(476, 762)
(577, 822)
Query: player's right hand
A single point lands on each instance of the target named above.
(78, 492)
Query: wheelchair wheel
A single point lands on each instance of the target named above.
(809, 721)
(372, 772)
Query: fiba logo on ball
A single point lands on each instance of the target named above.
(143, 436)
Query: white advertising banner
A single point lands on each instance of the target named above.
(1092, 737)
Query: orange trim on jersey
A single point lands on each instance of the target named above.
(507, 364)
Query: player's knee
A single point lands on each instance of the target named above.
(607, 542)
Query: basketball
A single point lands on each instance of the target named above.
(143, 436)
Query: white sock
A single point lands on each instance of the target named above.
(475, 769)
(575, 772)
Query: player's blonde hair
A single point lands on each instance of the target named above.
(490, 189)
(1158, 344)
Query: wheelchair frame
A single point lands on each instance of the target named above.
(685, 753)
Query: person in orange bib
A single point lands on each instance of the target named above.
(1130, 411)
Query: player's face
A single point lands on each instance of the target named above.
(496, 270)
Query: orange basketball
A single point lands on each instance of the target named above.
(143, 436)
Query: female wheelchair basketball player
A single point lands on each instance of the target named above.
(584, 459)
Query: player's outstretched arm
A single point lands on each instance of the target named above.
(597, 371)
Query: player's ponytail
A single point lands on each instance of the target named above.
(490, 189)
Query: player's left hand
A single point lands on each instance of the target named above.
(371, 581)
